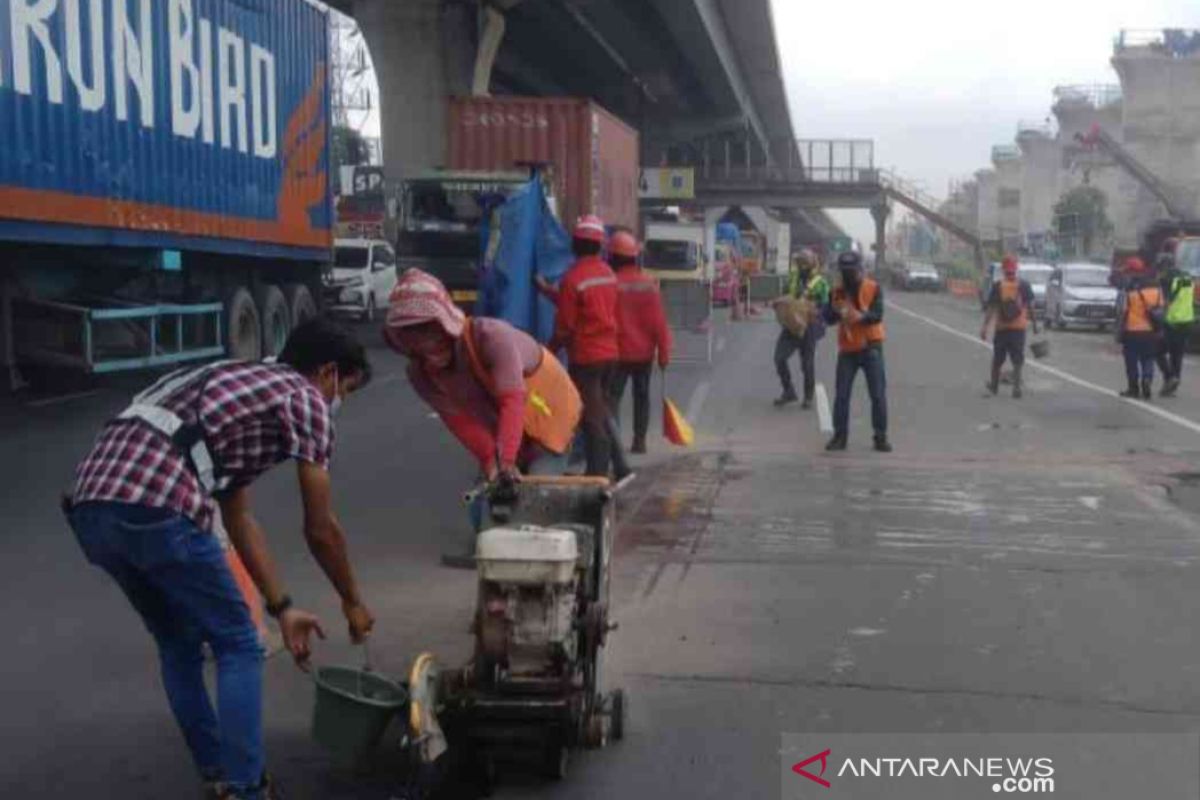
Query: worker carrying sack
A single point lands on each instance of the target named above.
(553, 406)
(794, 313)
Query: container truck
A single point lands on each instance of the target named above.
(164, 178)
(587, 159)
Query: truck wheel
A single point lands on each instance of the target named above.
(243, 331)
(300, 303)
(276, 319)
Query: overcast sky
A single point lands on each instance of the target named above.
(936, 83)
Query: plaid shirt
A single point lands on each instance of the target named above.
(254, 416)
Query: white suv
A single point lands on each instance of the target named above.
(363, 276)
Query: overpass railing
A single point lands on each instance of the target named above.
(807, 161)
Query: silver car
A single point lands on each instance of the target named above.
(1080, 294)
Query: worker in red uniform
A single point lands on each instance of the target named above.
(586, 326)
(643, 334)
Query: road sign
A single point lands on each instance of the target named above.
(667, 184)
(841, 244)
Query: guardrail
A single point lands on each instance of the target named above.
(1096, 95)
(689, 310)
(1175, 42)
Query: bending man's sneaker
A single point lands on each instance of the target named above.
(786, 399)
(882, 445)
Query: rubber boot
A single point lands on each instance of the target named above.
(1147, 389)
(1170, 387)
(1018, 385)
(882, 445)
(1133, 392)
(993, 386)
(639, 446)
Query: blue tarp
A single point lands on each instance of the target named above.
(531, 242)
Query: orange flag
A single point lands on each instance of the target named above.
(675, 426)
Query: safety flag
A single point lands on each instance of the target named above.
(675, 427)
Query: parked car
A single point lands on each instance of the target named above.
(363, 276)
(1080, 294)
(917, 276)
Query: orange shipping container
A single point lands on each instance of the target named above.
(594, 157)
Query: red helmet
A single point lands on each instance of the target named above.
(1135, 264)
(589, 228)
(624, 244)
(1010, 265)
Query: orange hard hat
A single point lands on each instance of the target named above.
(1135, 264)
(624, 244)
(589, 228)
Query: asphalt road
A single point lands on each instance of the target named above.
(1015, 566)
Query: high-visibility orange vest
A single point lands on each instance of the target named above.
(856, 338)
(1137, 310)
(553, 406)
(1011, 290)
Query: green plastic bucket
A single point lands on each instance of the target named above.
(353, 708)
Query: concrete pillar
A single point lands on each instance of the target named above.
(880, 214)
(424, 52)
(1160, 128)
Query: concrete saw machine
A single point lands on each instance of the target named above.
(533, 690)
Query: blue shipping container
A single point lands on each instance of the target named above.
(177, 124)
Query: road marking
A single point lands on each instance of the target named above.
(1161, 413)
(824, 418)
(721, 345)
(696, 403)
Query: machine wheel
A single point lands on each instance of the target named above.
(276, 319)
(557, 761)
(243, 331)
(616, 715)
(300, 303)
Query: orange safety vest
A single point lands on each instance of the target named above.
(553, 406)
(1137, 309)
(1011, 290)
(856, 338)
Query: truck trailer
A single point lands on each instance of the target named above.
(164, 178)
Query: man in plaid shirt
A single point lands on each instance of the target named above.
(143, 508)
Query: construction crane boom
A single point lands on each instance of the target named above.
(1097, 137)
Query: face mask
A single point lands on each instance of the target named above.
(850, 277)
(335, 405)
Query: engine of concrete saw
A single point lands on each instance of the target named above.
(533, 584)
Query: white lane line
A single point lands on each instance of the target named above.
(1161, 413)
(824, 418)
(696, 403)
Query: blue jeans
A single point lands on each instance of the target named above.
(1140, 351)
(870, 361)
(175, 575)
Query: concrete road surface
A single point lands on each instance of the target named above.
(1015, 566)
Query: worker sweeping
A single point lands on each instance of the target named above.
(856, 307)
(503, 396)
(586, 326)
(1142, 318)
(1009, 305)
(1178, 291)
(142, 510)
(805, 282)
(643, 334)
